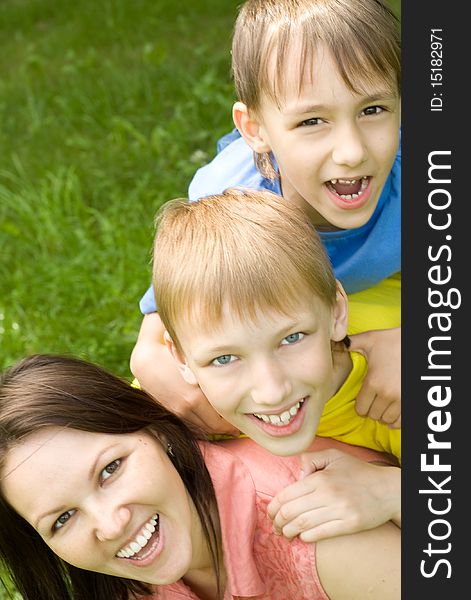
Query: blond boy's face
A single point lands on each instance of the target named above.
(270, 378)
(334, 148)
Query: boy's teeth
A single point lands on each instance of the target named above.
(141, 539)
(284, 418)
(363, 181)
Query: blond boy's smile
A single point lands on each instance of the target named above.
(269, 377)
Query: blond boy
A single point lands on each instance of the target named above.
(255, 318)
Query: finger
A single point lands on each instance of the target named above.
(364, 400)
(273, 508)
(307, 521)
(392, 413)
(291, 519)
(300, 489)
(316, 461)
(377, 409)
(326, 530)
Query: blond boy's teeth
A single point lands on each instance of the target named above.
(141, 540)
(283, 419)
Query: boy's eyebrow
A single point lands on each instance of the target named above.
(381, 97)
(205, 352)
(305, 107)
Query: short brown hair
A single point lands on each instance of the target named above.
(251, 250)
(363, 37)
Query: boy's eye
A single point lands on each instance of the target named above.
(110, 469)
(292, 338)
(62, 520)
(225, 359)
(373, 110)
(311, 121)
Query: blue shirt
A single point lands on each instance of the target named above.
(361, 257)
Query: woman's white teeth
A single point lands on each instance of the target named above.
(140, 540)
(282, 419)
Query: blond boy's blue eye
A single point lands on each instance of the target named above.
(312, 121)
(225, 359)
(292, 338)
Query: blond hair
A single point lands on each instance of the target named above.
(362, 36)
(246, 250)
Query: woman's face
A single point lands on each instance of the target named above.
(108, 503)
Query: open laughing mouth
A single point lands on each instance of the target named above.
(348, 189)
(144, 543)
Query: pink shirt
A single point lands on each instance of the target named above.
(259, 564)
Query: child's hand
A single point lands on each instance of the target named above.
(339, 494)
(157, 373)
(380, 395)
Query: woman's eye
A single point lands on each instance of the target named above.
(373, 110)
(292, 338)
(110, 469)
(225, 359)
(62, 520)
(312, 121)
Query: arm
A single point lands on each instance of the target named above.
(339, 495)
(156, 370)
(363, 566)
(380, 396)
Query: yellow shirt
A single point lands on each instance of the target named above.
(340, 421)
(378, 307)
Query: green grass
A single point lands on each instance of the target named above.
(106, 110)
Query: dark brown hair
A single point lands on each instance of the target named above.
(48, 390)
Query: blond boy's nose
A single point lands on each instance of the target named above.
(270, 385)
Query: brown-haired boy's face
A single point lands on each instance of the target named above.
(334, 148)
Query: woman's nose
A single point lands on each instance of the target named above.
(111, 522)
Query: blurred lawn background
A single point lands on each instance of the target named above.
(107, 109)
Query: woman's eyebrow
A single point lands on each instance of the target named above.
(91, 472)
(93, 467)
(59, 509)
